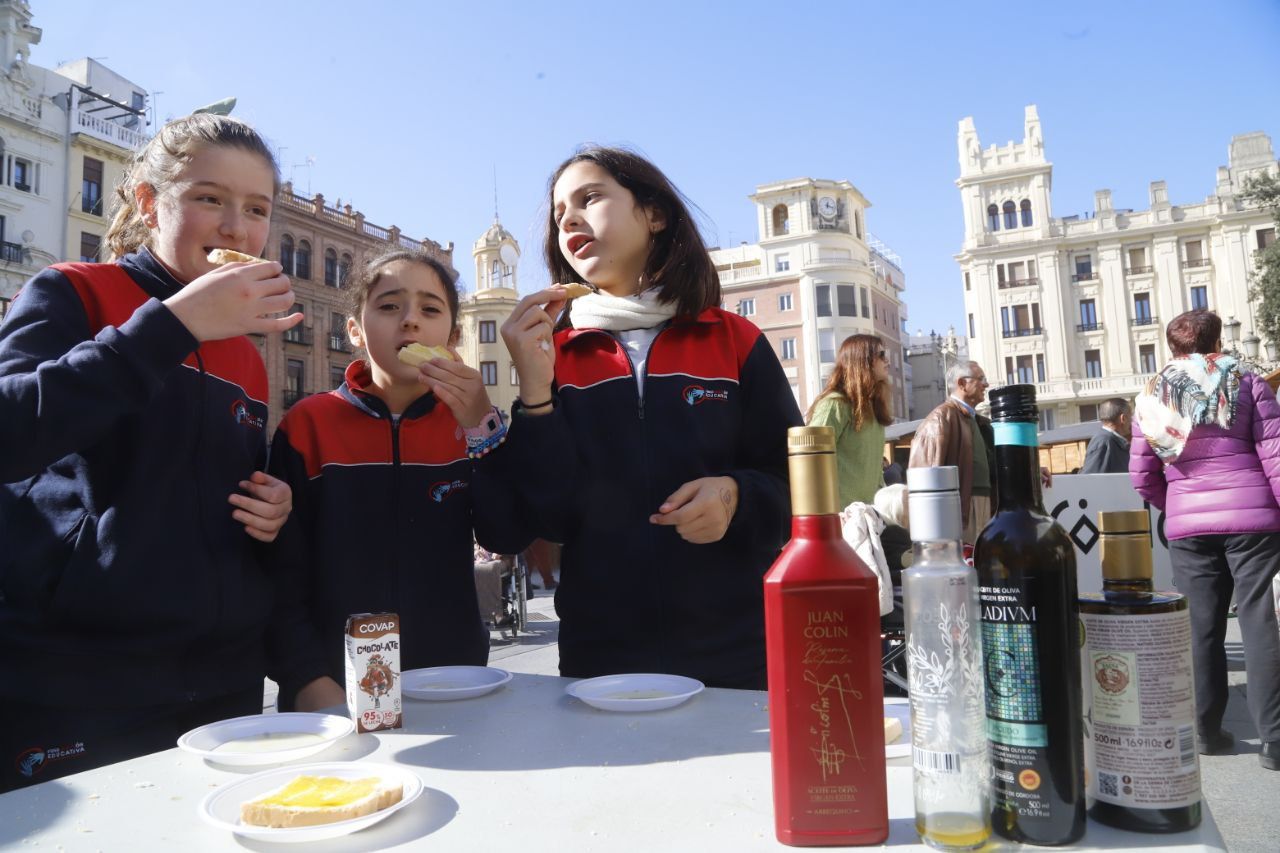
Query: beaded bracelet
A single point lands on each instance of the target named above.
(486, 445)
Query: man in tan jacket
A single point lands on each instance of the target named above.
(955, 434)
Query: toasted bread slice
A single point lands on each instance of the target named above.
(314, 800)
(417, 354)
(231, 256)
(892, 729)
(575, 289)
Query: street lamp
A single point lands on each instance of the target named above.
(1250, 345)
(1231, 332)
(1273, 352)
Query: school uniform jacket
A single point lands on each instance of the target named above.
(125, 580)
(383, 513)
(634, 596)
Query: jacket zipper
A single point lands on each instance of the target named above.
(395, 491)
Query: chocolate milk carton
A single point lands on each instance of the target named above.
(373, 671)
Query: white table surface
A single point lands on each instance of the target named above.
(524, 769)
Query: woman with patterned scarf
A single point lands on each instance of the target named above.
(1206, 450)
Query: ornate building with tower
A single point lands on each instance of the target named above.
(1078, 304)
(497, 256)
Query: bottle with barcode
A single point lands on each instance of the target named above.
(950, 762)
(1140, 749)
(1030, 642)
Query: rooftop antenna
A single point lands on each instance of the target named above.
(495, 192)
(311, 161)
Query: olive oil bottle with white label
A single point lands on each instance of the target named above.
(1140, 749)
(1030, 642)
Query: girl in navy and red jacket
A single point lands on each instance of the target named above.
(650, 435)
(390, 474)
(132, 416)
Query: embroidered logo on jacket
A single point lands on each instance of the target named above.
(695, 395)
(442, 490)
(240, 411)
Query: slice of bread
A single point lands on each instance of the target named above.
(892, 729)
(575, 289)
(417, 354)
(315, 800)
(231, 256)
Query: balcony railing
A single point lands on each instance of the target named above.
(1195, 262)
(339, 343)
(1084, 276)
(1144, 321)
(1021, 333)
(298, 335)
(1138, 270)
(292, 396)
(1089, 327)
(1018, 282)
(12, 253)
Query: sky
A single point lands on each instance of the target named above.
(410, 111)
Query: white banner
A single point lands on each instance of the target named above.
(1075, 501)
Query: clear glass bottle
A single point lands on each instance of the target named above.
(1143, 771)
(950, 760)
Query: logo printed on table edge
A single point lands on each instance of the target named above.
(695, 395)
(32, 760)
(440, 491)
(240, 411)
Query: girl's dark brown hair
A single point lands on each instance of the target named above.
(678, 267)
(853, 380)
(1195, 331)
(159, 161)
(367, 276)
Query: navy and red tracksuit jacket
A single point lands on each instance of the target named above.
(383, 514)
(634, 596)
(125, 581)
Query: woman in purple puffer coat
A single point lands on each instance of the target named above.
(1206, 450)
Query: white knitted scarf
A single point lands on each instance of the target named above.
(620, 313)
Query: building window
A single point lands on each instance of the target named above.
(1142, 309)
(822, 294)
(286, 254)
(781, 262)
(966, 281)
(1199, 298)
(826, 347)
(1088, 412)
(993, 218)
(489, 372)
(330, 268)
(302, 260)
(295, 374)
(972, 333)
(1088, 315)
(846, 300)
(344, 270)
(1039, 367)
(1024, 374)
(337, 375)
(4, 306)
(781, 224)
(1147, 358)
(1018, 321)
(747, 307)
(89, 245)
(1266, 236)
(1010, 215)
(788, 349)
(866, 304)
(784, 302)
(22, 174)
(515, 376)
(1084, 268)
(91, 187)
(1026, 213)
(338, 333)
(1093, 364)
(1138, 260)
(1046, 420)
(488, 332)
(1194, 254)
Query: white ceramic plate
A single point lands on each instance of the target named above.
(901, 708)
(222, 807)
(445, 683)
(635, 692)
(265, 738)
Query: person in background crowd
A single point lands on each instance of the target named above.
(955, 434)
(855, 404)
(1108, 451)
(1206, 450)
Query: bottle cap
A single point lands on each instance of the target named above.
(811, 462)
(1126, 545)
(933, 503)
(811, 439)
(1014, 403)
